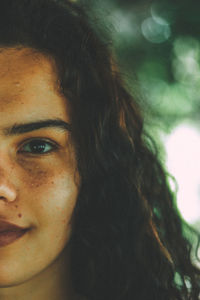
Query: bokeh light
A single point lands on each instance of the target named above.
(186, 60)
(155, 31)
(183, 162)
(157, 43)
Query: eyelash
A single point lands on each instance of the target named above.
(39, 141)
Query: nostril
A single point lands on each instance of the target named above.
(3, 198)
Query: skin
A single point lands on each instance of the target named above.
(36, 191)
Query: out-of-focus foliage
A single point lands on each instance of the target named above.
(157, 45)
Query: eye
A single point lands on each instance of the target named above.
(38, 146)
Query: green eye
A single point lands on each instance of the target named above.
(38, 146)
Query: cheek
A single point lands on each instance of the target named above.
(51, 190)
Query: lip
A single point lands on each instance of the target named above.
(7, 226)
(10, 232)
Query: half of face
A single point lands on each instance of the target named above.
(38, 178)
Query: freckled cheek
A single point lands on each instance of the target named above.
(51, 190)
(36, 175)
(32, 174)
(56, 187)
(56, 212)
(38, 178)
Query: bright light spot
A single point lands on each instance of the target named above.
(183, 162)
(186, 61)
(155, 32)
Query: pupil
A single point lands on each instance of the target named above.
(37, 146)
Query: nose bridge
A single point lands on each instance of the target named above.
(7, 188)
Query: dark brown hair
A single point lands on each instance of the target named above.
(128, 239)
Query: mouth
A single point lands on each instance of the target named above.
(8, 237)
(10, 232)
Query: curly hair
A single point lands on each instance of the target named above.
(128, 239)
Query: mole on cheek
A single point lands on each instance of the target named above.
(19, 215)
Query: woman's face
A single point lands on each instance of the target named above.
(38, 186)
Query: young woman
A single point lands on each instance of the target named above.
(85, 208)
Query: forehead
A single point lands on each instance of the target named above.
(28, 83)
(21, 64)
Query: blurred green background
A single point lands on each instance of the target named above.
(157, 45)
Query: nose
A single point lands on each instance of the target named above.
(7, 189)
(7, 193)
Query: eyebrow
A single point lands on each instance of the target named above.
(17, 129)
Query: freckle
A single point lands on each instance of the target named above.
(19, 215)
(16, 206)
